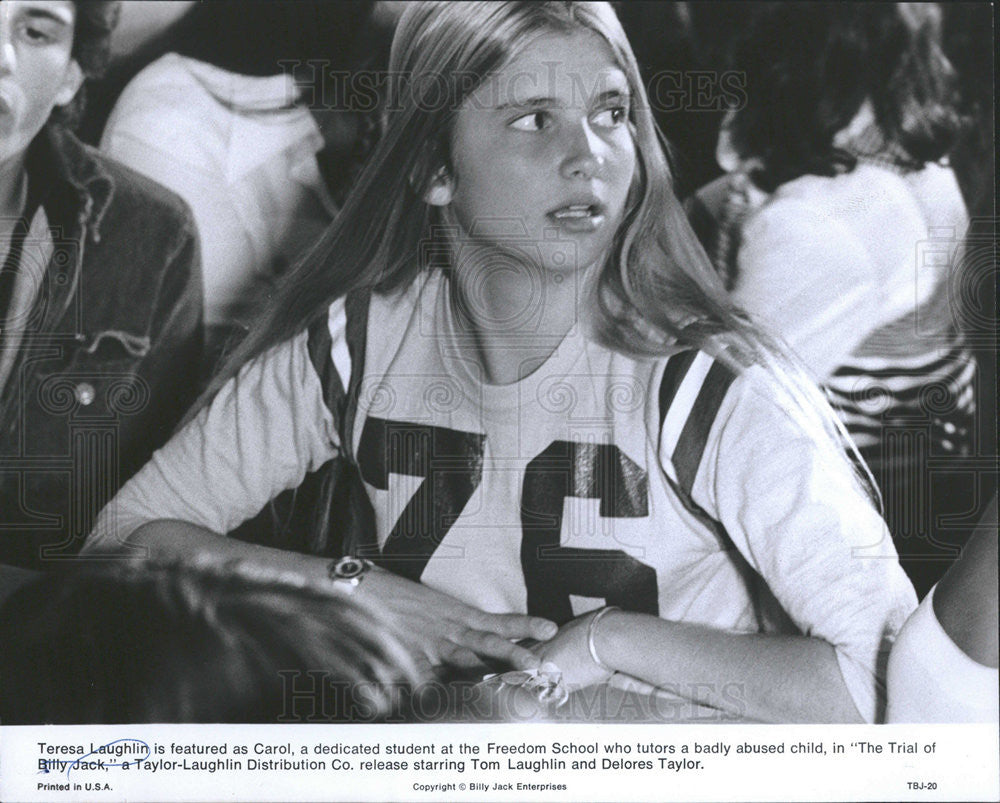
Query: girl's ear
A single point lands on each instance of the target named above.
(70, 85)
(441, 189)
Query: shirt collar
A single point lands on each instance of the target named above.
(865, 141)
(245, 93)
(58, 161)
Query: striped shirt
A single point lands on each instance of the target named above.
(859, 273)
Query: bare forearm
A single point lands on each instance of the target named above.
(188, 541)
(771, 678)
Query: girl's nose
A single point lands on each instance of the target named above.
(7, 54)
(584, 158)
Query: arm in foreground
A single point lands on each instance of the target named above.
(965, 601)
(943, 666)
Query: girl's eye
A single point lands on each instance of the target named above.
(535, 121)
(611, 118)
(36, 35)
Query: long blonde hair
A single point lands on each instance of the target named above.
(657, 291)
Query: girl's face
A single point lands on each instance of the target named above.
(542, 154)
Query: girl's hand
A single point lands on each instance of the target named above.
(570, 651)
(436, 627)
(446, 631)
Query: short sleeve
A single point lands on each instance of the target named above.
(792, 507)
(264, 430)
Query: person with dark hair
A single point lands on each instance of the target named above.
(839, 224)
(119, 642)
(95, 23)
(100, 306)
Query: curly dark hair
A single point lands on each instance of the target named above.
(809, 68)
(95, 22)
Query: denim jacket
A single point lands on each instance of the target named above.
(109, 358)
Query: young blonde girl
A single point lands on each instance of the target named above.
(558, 417)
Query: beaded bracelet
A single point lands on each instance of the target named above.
(591, 632)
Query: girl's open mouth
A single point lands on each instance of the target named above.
(578, 217)
(575, 211)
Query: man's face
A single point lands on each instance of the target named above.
(37, 70)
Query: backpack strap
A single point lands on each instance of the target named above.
(320, 346)
(356, 307)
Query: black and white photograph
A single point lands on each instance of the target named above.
(438, 400)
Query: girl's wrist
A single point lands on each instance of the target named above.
(597, 645)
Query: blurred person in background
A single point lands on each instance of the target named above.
(260, 115)
(257, 118)
(100, 292)
(680, 48)
(839, 223)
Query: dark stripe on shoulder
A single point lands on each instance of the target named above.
(356, 308)
(673, 374)
(320, 344)
(691, 444)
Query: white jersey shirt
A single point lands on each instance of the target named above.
(664, 486)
